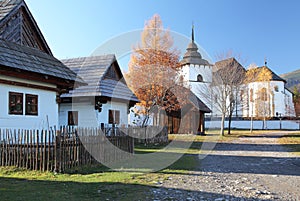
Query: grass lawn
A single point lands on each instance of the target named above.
(96, 183)
(292, 141)
(100, 183)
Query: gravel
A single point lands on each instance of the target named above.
(248, 168)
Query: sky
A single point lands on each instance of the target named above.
(251, 29)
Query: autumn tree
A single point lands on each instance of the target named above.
(296, 100)
(261, 93)
(154, 71)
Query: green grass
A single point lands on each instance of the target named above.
(292, 141)
(94, 183)
(100, 183)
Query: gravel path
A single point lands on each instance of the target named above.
(249, 168)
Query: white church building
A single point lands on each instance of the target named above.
(277, 101)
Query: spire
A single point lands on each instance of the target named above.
(192, 56)
(193, 32)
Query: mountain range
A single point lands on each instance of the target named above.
(292, 78)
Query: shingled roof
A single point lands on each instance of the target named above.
(198, 103)
(18, 25)
(29, 59)
(274, 76)
(103, 76)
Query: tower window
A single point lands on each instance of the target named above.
(199, 78)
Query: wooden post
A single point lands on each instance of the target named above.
(44, 150)
(37, 151)
(48, 151)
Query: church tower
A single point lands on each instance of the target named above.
(195, 70)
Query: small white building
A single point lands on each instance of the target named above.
(268, 98)
(257, 98)
(104, 102)
(31, 78)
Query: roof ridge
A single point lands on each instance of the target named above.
(86, 57)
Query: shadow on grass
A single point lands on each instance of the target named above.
(24, 189)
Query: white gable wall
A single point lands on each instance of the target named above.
(47, 108)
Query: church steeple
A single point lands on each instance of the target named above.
(192, 56)
(193, 33)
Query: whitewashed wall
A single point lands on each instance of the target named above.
(271, 124)
(89, 117)
(47, 107)
(283, 99)
(190, 72)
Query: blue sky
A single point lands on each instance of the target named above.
(253, 29)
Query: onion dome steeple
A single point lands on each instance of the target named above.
(192, 56)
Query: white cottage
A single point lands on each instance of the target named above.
(31, 78)
(104, 102)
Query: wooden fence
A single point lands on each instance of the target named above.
(52, 150)
(148, 135)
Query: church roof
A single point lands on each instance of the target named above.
(192, 55)
(103, 76)
(274, 76)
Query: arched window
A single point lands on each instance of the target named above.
(199, 78)
(263, 94)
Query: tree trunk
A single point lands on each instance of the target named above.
(222, 125)
(229, 123)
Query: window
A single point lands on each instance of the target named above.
(199, 78)
(72, 118)
(113, 117)
(276, 88)
(15, 103)
(251, 95)
(263, 94)
(31, 104)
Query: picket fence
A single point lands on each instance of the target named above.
(59, 150)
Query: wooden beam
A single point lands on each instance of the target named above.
(18, 73)
(21, 84)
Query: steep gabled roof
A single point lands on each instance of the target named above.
(18, 25)
(275, 77)
(103, 76)
(227, 63)
(28, 59)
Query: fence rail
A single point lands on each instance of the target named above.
(52, 150)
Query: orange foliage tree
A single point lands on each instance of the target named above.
(153, 72)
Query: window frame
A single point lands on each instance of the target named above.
(199, 78)
(263, 94)
(10, 103)
(71, 120)
(114, 116)
(27, 105)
